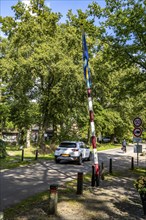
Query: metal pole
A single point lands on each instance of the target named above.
(137, 154)
(96, 173)
(22, 157)
(132, 163)
(36, 155)
(110, 166)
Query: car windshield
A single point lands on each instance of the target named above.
(68, 145)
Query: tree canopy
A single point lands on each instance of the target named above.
(42, 80)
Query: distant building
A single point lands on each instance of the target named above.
(10, 137)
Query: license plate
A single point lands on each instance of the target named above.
(65, 155)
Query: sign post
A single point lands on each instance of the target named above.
(137, 132)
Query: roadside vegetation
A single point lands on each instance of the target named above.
(14, 157)
(42, 79)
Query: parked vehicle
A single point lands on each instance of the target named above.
(72, 151)
(106, 139)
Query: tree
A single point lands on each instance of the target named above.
(43, 67)
(122, 46)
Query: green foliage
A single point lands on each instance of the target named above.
(42, 69)
(144, 135)
(3, 152)
(140, 184)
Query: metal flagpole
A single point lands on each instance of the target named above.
(95, 166)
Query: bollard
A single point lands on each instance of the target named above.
(36, 155)
(53, 199)
(93, 176)
(22, 155)
(132, 163)
(102, 171)
(110, 166)
(80, 183)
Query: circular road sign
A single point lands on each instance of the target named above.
(137, 122)
(137, 132)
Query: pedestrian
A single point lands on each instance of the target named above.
(124, 144)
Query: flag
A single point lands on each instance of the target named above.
(87, 75)
(85, 49)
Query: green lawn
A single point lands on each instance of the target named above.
(14, 155)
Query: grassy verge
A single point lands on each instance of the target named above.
(14, 155)
(107, 146)
(41, 200)
(140, 170)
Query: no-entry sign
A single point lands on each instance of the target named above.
(137, 132)
(137, 122)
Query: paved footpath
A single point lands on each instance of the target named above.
(20, 183)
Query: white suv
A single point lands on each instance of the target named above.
(73, 151)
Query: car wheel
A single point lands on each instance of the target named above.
(56, 160)
(80, 160)
(90, 157)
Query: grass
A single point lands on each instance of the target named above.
(107, 146)
(24, 206)
(140, 170)
(14, 155)
(41, 200)
(65, 192)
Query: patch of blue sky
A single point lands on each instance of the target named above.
(61, 6)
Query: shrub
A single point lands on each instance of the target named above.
(2, 149)
(140, 184)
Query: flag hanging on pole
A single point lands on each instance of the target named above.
(87, 75)
(85, 49)
(95, 166)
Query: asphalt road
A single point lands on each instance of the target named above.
(20, 183)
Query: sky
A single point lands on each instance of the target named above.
(61, 6)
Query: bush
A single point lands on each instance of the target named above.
(2, 149)
(140, 184)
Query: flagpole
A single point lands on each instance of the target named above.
(95, 166)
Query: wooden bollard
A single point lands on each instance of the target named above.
(110, 166)
(22, 157)
(132, 163)
(36, 155)
(53, 199)
(80, 183)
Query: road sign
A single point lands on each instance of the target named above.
(137, 122)
(137, 132)
(138, 149)
(137, 140)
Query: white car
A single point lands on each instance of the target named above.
(72, 151)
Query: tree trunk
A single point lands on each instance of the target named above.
(28, 138)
